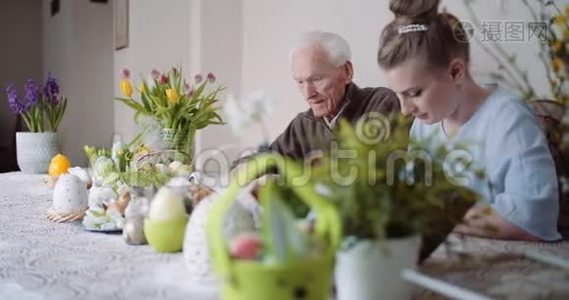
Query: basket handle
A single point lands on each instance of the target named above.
(328, 225)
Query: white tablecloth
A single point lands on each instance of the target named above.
(40, 259)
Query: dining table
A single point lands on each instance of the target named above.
(42, 259)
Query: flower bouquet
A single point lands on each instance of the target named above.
(179, 108)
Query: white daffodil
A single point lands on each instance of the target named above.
(257, 105)
(236, 116)
(249, 110)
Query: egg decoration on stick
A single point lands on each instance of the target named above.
(165, 225)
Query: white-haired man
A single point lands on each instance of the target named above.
(322, 68)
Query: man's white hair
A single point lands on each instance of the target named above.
(335, 46)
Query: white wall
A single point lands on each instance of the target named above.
(221, 51)
(159, 38)
(20, 59)
(78, 50)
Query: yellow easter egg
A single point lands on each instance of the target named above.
(58, 165)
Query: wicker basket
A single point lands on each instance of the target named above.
(308, 279)
(55, 216)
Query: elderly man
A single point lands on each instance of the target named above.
(322, 68)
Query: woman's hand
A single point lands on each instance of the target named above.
(482, 221)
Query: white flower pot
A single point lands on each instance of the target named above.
(371, 269)
(34, 151)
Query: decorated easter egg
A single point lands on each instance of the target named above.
(246, 246)
(69, 194)
(58, 165)
(196, 255)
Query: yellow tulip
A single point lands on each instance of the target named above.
(126, 88)
(173, 96)
(142, 88)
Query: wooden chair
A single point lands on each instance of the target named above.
(550, 114)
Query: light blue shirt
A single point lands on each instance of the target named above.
(504, 140)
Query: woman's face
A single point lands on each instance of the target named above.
(427, 94)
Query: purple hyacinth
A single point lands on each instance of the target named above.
(32, 92)
(13, 102)
(51, 89)
(31, 97)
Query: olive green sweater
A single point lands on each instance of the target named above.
(306, 133)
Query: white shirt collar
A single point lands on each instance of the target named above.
(331, 124)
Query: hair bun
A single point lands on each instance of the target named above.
(414, 11)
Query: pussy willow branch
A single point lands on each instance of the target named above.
(544, 53)
(560, 12)
(518, 77)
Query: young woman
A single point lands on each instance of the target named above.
(425, 55)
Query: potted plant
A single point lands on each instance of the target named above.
(179, 108)
(391, 199)
(42, 111)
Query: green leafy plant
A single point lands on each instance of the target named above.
(384, 190)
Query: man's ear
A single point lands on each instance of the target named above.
(349, 71)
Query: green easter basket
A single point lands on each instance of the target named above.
(310, 278)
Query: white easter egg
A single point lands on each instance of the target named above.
(69, 194)
(167, 205)
(173, 166)
(183, 170)
(161, 168)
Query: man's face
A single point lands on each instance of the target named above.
(322, 84)
(429, 95)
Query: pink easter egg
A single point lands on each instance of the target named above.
(246, 246)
